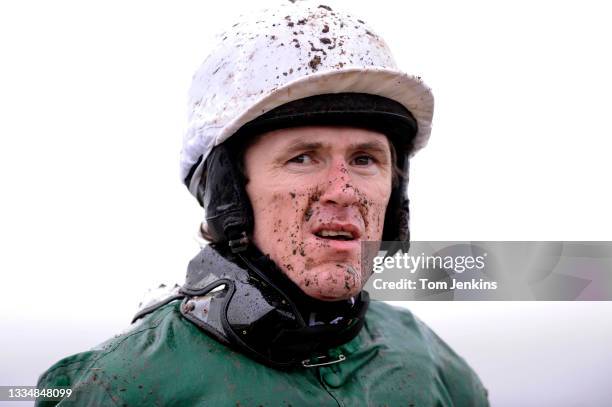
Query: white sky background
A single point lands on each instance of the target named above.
(92, 107)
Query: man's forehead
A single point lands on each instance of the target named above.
(326, 137)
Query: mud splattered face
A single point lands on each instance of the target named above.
(317, 192)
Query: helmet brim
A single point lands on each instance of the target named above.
(407, 90)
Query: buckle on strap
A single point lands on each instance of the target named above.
(323, 360)
(240, 244)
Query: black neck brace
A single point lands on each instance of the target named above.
(244, 301)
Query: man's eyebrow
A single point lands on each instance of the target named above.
(303, 146)
(374, 146)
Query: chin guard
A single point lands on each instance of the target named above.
(238, 304)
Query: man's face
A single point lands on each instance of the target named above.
(317, 193)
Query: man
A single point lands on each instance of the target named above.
(300, 132)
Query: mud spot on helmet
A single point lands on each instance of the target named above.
(309, 263)
(302, 21)
(313, 48)
(325, 7)
(325, 29)
(314, 62)
(325, 40)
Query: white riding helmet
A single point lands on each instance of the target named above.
(294, 51)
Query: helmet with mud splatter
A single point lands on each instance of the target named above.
(297, 64)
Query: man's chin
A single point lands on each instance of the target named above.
(333, 282)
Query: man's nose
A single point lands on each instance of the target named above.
(338, 186)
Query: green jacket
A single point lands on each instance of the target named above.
(167, 361)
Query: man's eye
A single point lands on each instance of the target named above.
(363, 160)
(301, 159)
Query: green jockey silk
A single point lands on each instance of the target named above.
(167, 361)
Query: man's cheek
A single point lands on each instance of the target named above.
(290, 247)
(376, 221)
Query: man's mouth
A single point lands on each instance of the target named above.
(334, 235)
(345, 232)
